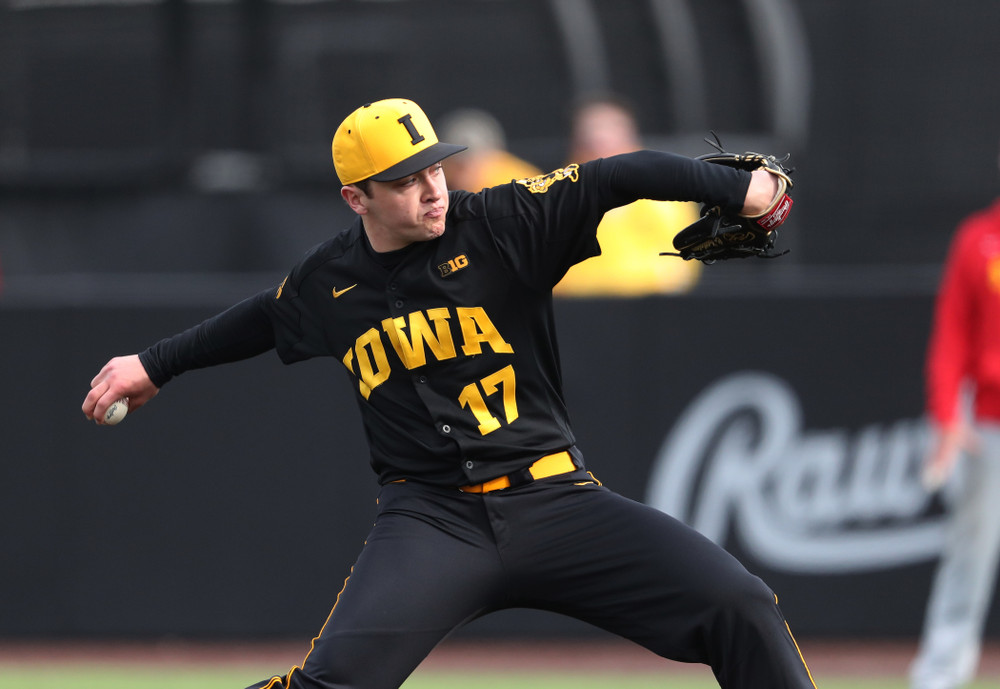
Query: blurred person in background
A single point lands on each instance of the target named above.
(486, 162)
(963, 364)
(604, 125)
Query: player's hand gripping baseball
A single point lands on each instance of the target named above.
(123, 376)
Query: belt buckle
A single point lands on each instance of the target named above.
(498, 483)
(522, 476)
(538, 469)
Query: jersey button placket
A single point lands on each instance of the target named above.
(396, 300)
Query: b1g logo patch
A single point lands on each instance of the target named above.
(454, 265)
(541, 184)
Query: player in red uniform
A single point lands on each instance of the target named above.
(964, 351)
(438, 305)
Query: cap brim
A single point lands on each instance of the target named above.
(419, 161)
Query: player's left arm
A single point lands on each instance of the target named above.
(762, 193)
(670, 177)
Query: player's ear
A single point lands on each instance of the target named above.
(355, 199)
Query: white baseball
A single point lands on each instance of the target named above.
(116, 412)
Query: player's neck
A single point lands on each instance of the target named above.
(382, 241)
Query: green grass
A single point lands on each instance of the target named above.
(111, 677)
(100, 676)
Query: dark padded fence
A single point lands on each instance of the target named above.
(789, 429)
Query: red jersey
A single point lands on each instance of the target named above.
(965, 339)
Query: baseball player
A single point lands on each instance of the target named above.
(438, 306)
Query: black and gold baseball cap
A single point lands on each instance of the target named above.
(386, 140)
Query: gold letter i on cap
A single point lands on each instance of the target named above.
(415, 136)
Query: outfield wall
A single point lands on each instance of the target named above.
(788, 428)
(168, 135)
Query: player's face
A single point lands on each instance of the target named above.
(407, 210)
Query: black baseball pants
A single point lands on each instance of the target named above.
(438, 558)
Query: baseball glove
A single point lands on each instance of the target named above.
(719, 236)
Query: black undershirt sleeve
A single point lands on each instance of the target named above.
(238, 333)
(669, 177)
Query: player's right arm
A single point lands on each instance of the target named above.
(123, 376)
(237, 333)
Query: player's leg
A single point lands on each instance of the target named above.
(964, 581)
(427, 566)
(633, 570)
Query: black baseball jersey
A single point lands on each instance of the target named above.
(450, 344)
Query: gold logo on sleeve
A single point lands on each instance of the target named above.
(541, 184)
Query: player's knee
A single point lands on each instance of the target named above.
(747, 598)
(757, 595)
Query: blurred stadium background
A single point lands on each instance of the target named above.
(160, 159)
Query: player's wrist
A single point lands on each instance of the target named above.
(779, 205)
(151, 363)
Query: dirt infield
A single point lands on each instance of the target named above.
(853, 658)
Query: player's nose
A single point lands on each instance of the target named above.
(433, 188)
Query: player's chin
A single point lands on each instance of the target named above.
(434, 229)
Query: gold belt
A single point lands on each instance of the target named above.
(549, 465)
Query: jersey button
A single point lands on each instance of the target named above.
(422, 379)
(393, 286)
(470, 464)
(446, 429)
(399, 303)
